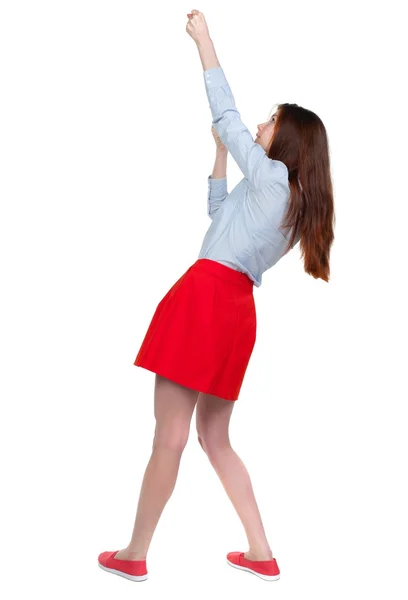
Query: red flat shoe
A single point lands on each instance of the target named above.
(266, 569)
(135, 570)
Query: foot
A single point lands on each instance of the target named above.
(258, 556)
(126, 554)
(266, 569)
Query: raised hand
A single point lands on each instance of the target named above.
(197, 27)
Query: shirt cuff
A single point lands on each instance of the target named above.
(214, 77)
(217, 187)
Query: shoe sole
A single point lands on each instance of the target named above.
(122, 574)
(266, 577)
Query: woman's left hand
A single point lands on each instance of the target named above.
(197, 26)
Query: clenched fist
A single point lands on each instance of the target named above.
(197, 26)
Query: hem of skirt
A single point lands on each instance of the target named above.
(153, 370)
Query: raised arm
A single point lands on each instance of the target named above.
(232, 131)
(251, 158)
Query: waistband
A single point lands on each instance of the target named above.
(212, 267)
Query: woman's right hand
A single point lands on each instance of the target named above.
(218, 142)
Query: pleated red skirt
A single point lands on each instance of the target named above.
(203, 330)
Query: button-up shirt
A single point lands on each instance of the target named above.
(244, 233)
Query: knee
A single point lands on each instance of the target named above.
(214, 446)
(170, 440)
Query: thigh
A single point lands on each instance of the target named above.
(213, 416)
(173, 408)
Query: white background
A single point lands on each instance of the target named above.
(105, 152)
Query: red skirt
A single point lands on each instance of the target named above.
(203, 330)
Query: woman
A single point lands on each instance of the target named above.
(202, 333)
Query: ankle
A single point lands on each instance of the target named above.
(259, 553)
(135, 553)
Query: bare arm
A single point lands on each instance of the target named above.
(207, 53)
(220, 164)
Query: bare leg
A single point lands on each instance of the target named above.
(213, 415)
(173, 408)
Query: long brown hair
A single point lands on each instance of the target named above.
(300, 142)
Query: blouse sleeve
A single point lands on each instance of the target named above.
(217, 192)
(251, 158)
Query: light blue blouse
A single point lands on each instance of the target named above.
(244, 232)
